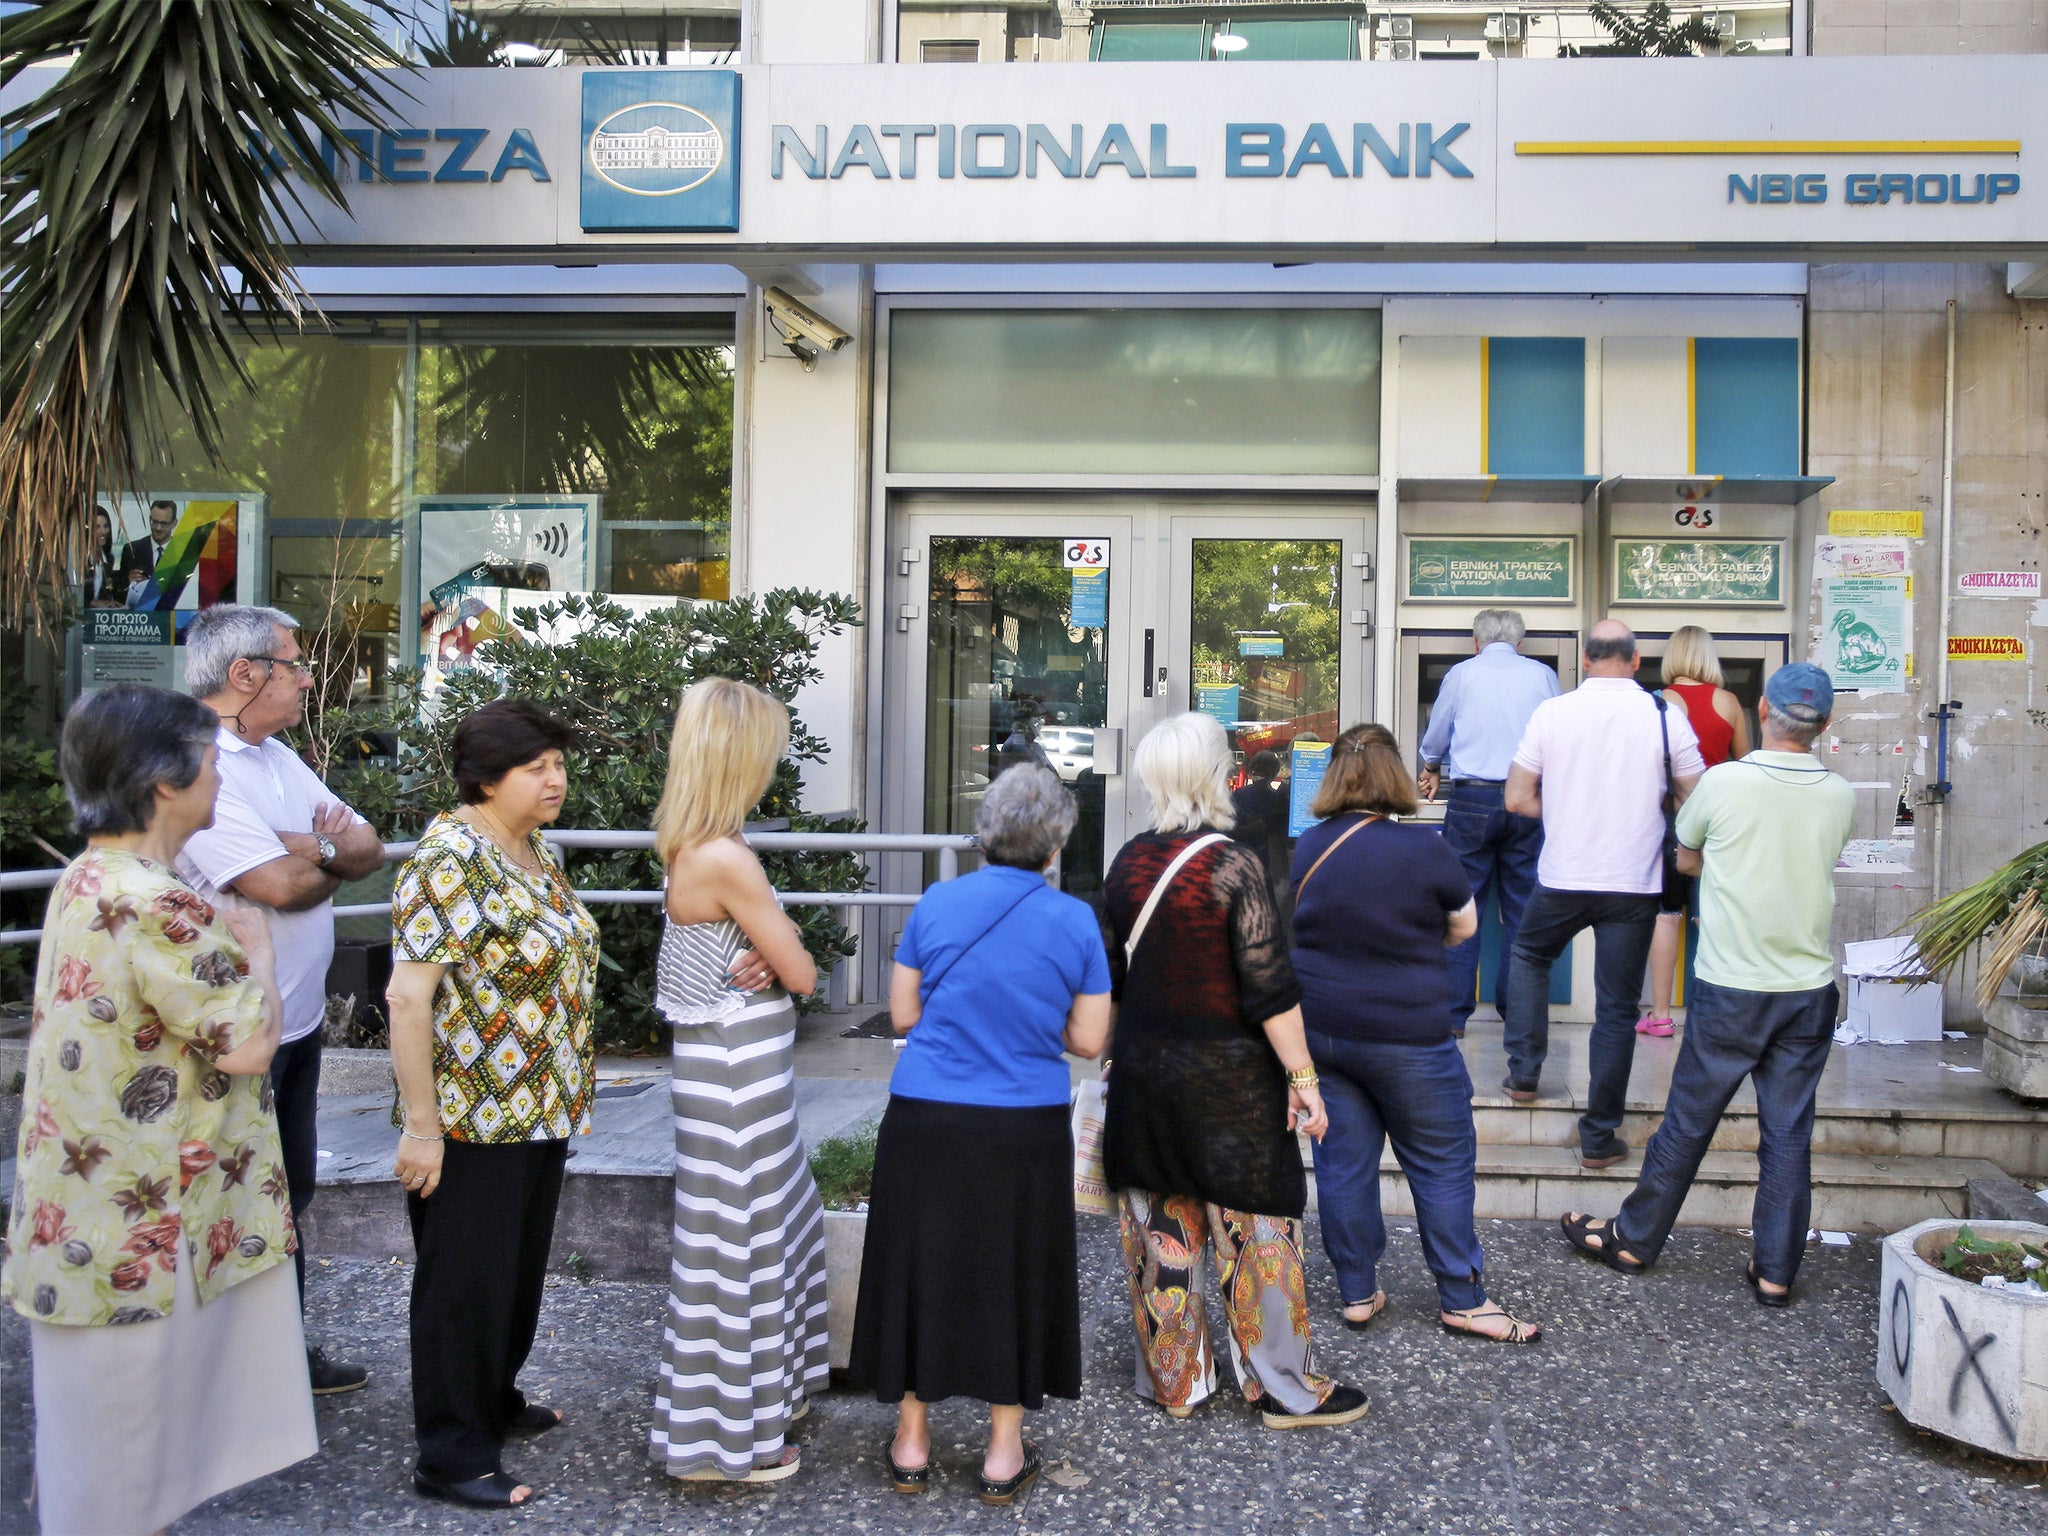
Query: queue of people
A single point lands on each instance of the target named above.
(185, 947)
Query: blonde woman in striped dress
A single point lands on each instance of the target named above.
(745, 1343)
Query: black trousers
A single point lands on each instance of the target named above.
(481, 1242)
(295, 1081)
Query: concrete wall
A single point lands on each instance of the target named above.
(1876, 351)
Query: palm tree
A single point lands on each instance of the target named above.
(140, 211)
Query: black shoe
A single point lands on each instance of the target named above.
(1344, 1405)
(1766, 1298)
(332, 1376)
(1521, 1089)
(491, 1491)
(1004, 1490)
(1606, 1155)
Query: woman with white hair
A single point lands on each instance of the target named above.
(1212, 1079)
(745, 1345)
(1693, 686)
(967, 1285)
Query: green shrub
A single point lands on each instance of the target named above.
(844, 1167)
(35, 823)
(617, 681)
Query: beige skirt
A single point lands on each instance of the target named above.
(138, 1424)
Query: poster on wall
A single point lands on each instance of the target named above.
(1308, 763)
(1482, 568)
(1865, 632)
(1700, 573)
(472, 545)
(172, 552)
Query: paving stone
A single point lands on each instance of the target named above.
(1666, 1402)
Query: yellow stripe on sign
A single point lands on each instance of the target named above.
(1767, 146)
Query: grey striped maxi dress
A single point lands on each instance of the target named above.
(745, 1340)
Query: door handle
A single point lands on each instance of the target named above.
(1148, 664)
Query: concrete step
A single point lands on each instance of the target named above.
(2016, 1139)
(1850, 1193)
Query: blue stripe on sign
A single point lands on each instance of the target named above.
(1746, 405)
(1536, 405)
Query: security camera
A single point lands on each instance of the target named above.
(804, 331)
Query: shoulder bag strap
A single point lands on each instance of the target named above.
(1664, 727)
(1330, 850)
(1159, 889)
(932, 990)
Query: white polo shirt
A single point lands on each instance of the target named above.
(266, 789)
(1600, 756)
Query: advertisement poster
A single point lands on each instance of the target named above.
(1219, 701)
(128, 645)
(1088, 603)
(169, 551)
(2000, 584)
(1485, 569)
(1308, 762)
(485, 544)
(456, 631)
(1866, 632)
(1833, 556)
(1902, 525)
(1986, 648)
(1718, 573)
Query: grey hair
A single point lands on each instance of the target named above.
(1498, 624)
(120, 744)
(1024, 817)
(1801, 733)
(224, 634)
(1184, 764)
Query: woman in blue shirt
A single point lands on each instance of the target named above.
(967, 1285)
(1376, 904)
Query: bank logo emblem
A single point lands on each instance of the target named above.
(660, 150)
(657, 149)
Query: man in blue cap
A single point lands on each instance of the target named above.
(1763, 833)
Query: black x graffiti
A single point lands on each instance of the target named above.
(1971, 1350)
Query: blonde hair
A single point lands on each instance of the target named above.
(1690, 653)
(721, 759)
(1184, 764)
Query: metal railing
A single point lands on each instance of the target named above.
(948, 846)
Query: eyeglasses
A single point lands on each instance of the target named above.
(283, 661)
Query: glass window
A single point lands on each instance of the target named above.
(1133, 41)
(1315, 38)
(1220, 391)
(949, 51)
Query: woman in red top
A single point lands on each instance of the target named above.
(1692, 685)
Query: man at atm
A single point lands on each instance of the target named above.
(1480, 714)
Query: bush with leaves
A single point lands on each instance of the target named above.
(615, 677)
(35, 822)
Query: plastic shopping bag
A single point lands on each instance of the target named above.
(1092, 1194)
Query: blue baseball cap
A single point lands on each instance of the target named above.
(1801, 691)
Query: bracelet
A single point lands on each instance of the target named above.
(415, 1136)
(1303, 1077)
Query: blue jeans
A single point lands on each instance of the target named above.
(1420, 1097)
(1781, 1040)
(1492, 843)
(1623, 925)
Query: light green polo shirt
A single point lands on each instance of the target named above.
(1770, 826)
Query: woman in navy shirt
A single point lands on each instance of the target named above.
(1376, 904)
(967, 1285)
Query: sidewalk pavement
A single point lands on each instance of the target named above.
(1660, 1403)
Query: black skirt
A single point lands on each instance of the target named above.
(967, 1284)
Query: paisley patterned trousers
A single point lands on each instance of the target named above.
(1258, 1258)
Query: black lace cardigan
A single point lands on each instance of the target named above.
(1197, 1100)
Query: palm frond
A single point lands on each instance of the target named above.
(141, 213)
(2009, 906)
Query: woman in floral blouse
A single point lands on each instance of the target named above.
(151, 1223)
(494, 961)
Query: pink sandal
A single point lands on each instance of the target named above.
(1663, 1029)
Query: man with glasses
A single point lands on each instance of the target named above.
(279, 839)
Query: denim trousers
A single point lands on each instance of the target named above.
(1778, 1039)
(1419, 1097)
(1493, 844)
(295, 1081)
(1623, 924)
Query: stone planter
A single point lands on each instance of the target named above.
(2016, 1047)
(1964, 1361)
(846, 1234)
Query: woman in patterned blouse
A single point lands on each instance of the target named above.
(494, 961)
(151, 1224)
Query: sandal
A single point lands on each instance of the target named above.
(907, 1479)
(1001, 1491)
(534, 1419)
(1661, 1028)
(493, 1490)
(1592, 1236)
(1766, 1298)
(1374, 1305)
(773, 1472)
(1516, 1332)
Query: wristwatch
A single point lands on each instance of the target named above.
(327, 848)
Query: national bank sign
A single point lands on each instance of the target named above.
(661, 150)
